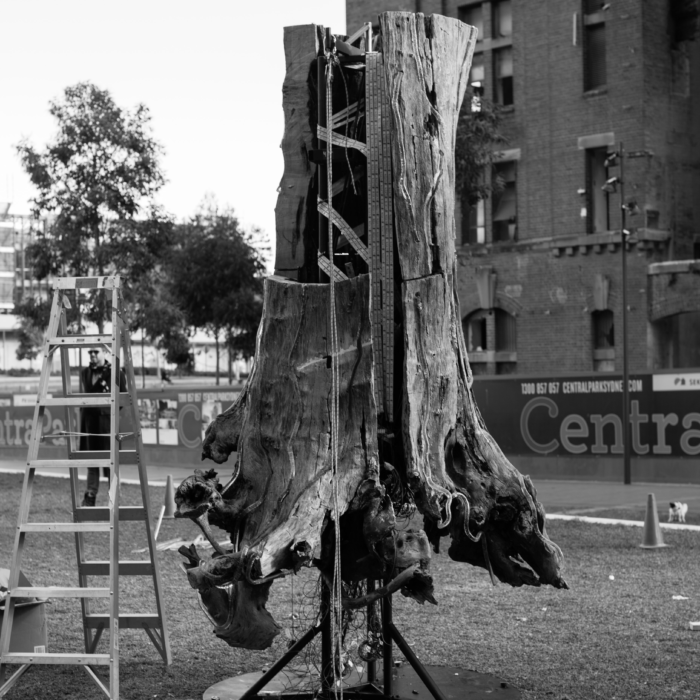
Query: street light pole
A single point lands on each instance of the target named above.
(627, 468)
(618, 159)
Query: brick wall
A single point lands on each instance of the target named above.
(675, 291)
(650, 104)
(552, 300)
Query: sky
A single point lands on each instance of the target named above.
(210, 73)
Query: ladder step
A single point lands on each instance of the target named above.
(60, 592)
(128, 621)
(85, 659)
(126, 568)
(103, 282)
(102, 514)
(65, 527)
(125, 456)
(94, 400)
(68, 463)
(77, 341)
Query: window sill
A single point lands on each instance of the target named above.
(596, 92)
(594, 18)
(604, 354)
(493, 44)
(505, 109)
(492, 356)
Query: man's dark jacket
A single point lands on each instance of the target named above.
(96, 419)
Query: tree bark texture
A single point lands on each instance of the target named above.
(280, 507)
(284, 448)
(452, 463)
(302, 45)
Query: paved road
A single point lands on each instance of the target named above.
(563, 496)
(156, 475)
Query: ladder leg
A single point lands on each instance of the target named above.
(23, 515)
(114, 581)
(114, 502)
(5, 687)
(164, 649)
(91, 636)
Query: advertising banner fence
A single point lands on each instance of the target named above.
(173, 423)
(582, 415)
(554, 419)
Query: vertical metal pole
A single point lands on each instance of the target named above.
(21, 261)
(625, 359)
(326, 642)
(371, 665)
(387, 649)
(324, 195)
(143, 360)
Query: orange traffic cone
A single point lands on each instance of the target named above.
(167, 510)
(653, 538)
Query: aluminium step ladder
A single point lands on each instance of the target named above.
(88, 519)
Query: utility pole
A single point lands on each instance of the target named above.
(611, 185)
(627, 470)
(617, 158)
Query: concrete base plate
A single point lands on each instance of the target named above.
(455, 684)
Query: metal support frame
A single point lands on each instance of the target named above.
(369, 689)
(380, 258)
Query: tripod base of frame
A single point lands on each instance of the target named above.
(455, 683)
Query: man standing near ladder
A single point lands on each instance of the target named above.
(96, 378)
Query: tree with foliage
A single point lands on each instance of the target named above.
(97, 178)
(159, 319)
(479, 139)
(34, 318)
(216, 278)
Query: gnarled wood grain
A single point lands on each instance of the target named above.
(284, 446)
(427, 61)
(301, 47)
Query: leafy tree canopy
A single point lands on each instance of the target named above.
(216, 277)
(34, 318)
(479, 140)
(96, 180)
(103, 161)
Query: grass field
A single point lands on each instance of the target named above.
(618, 633)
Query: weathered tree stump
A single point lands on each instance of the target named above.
(284, 503)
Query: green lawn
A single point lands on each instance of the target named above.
(623, 638)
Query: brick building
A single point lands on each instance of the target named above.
(540, 283)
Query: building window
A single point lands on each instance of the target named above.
(594, 46)
(603, 330)
(502, 19)
(503, 75)
(684, 21)
(597, 205)
(603, 341)
(505, 331)
(474, 327)
(473, 223)
(473, 15)
(505, 203)
(491, 341)
(476, 81)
